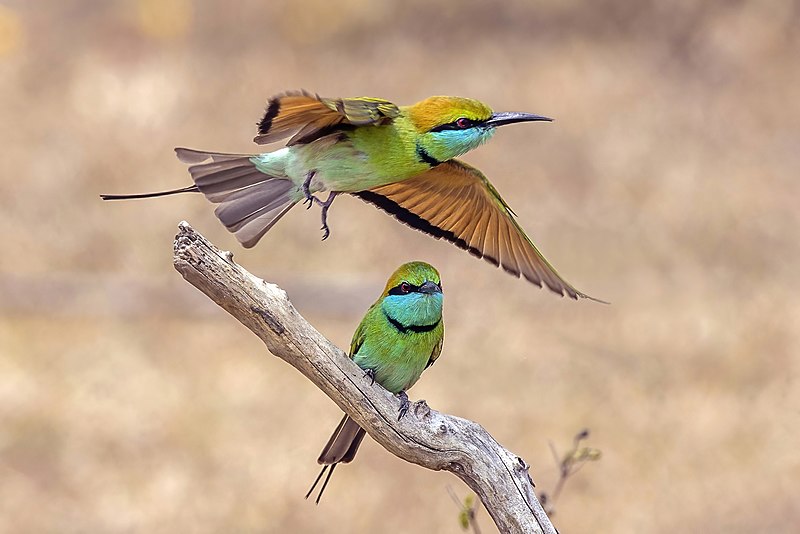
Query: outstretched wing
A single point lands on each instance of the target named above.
(305, 117)
(456, 202)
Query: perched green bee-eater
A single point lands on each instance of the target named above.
(397, 158)
(400, 336)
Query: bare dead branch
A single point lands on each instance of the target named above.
(425, 437)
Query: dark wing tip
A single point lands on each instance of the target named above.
(587, 297)
(273, 108)
(574, 294)
(565, 290)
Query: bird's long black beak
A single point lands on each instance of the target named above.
(430, 288)
(510, 117)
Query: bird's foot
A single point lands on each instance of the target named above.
(404, 404)
(370, 373)
(325, 206)
(310, 199)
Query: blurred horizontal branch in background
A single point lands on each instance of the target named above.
(84, 295)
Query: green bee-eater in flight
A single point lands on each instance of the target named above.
(400, 336)
(399, 158)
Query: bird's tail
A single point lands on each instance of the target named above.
(187, 189)
(250, 201)
(341, 448)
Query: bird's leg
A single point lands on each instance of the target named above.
(370, 373)
(404, 404)
(307, 190)
(325, 206)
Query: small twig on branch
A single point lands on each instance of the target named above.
(467, 511)
(571, 463)
(425, 437)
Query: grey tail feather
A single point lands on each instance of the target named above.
(343, 444)
(328, 468)
(190, 155)
(250, 201)
(187, 189)
(341, 448)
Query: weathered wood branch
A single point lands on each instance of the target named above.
(424, 437)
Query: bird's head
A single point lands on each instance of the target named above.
(413, 295)
(450, 126)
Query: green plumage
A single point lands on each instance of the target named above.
(399, 158)
(397, 359)
(384, 149)
(398, 338)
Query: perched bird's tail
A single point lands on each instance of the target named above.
(341, 448)
(250, 201)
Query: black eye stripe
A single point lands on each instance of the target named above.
(397, 290)
(454, 125)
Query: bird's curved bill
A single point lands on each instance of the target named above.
(430, 288)
(510, 117)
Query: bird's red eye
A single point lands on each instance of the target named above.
(463, 122)
(404, 287)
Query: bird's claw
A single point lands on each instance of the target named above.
(307, 192)
(404, 405)
(311, 200)
(369, 373)
(325, 207)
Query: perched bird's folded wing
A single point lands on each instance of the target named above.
(437, 350)
(456, 202)
(359, 335)
(305, 117)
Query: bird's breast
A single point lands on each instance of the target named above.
(398, 358)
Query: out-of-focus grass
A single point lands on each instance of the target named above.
(668, 185)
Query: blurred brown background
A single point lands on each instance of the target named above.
(668, 184)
